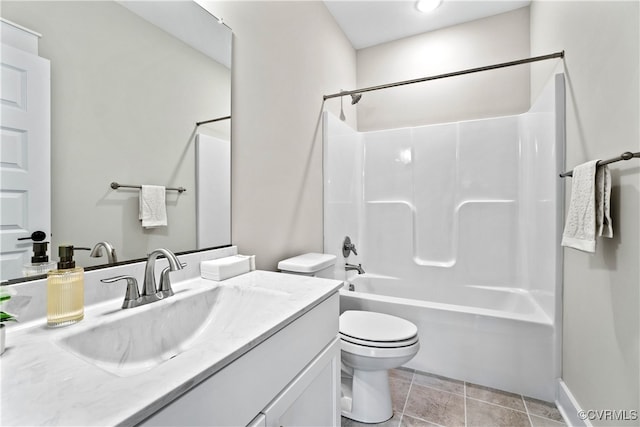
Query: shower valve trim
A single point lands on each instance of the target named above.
(348, 247)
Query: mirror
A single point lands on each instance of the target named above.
(129, 82)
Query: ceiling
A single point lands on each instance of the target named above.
(370, 22)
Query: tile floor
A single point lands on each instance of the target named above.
(421, 400)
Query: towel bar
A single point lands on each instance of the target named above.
(115, 186)
(627, 155)
(212, 120)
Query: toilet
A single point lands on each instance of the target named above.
(371, 343)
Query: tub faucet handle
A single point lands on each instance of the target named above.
(348, 247)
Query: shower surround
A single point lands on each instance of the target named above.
(457, 226)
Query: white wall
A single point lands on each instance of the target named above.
(482, 42)
(286, 56)
(601, 291)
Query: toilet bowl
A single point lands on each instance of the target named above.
(370, 344)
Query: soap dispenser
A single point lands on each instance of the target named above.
(65, 290)
(40, 263)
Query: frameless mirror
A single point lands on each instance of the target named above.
(129, 81)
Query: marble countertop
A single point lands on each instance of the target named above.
(42, 383)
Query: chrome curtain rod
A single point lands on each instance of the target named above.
(453, 74)
(115, 186)
(627, 155)
(213, 120)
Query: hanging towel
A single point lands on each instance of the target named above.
(589, 211)
(603, 202)
(153, 209)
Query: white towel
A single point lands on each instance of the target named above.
(603, 202)
(589, 211)
(153, 208)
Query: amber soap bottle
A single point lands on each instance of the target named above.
(65, 291)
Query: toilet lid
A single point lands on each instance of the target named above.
(307, 263)
(379, 327)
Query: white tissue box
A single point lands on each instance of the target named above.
(225, 268)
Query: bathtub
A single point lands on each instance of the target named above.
(493, 336)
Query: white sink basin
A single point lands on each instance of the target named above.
(130, 341)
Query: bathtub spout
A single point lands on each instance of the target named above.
(348, 267)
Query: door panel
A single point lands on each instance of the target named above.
(25, 165)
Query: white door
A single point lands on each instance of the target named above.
(213, 192)
(25, 166)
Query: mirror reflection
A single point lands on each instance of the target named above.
(128, 83)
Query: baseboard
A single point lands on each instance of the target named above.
(569, 407)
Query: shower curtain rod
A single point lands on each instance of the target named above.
(453, 74)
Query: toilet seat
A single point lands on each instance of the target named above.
(380, 328)
(372, 334)
(379, 344)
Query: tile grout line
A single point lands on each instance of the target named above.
(526, 409)
(465, 403)
(441, 389)
(544, 417)
(406, 399)
(498, 405)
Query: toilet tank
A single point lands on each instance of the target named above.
(311, 264)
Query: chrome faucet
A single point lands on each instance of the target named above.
(96, 252)
(150, 293)
(358, 268)
(149, 284)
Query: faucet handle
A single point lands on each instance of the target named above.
(348, 247)
(165, 281)
(132, 293)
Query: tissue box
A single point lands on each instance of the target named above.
(225, 268)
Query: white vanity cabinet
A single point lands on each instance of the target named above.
(312, 398)
(291, 378)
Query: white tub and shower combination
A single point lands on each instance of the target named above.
(457, 226)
